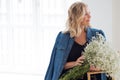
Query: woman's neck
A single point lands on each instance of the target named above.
(83, 29)
(82, 38)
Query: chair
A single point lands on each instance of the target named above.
(101, 76)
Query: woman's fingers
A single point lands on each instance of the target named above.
(76, 64)
(80, 60)
(93, 68)
(81, 57)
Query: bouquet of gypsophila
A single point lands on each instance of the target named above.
(100, 54)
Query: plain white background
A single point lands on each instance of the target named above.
(28, 29)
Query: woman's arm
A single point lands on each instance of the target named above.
(72, 64)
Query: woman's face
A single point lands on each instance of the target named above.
(86, 18)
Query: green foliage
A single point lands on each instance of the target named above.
(76, 72)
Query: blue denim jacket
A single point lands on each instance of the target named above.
(61, 51)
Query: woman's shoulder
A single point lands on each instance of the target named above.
(62, 34)
(62, 40)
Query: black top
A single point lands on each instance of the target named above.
(75, 53)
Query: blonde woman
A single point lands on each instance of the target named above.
(69, 44)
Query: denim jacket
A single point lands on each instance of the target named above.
(61, 51)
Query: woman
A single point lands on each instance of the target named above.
(69, 44)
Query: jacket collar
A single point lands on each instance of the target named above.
(69, 41)
(89, 34)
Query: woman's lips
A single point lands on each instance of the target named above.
(88, 20)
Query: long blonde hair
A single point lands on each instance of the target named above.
(76, 13)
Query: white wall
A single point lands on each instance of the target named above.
(106, 16)
(32, 25)
(28, 29)
(116, 24)
(101, 15)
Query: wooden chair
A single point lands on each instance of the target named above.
(91, 73)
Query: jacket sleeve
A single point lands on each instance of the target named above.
(101, 32)
(50, 69)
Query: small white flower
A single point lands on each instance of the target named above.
(100, 54)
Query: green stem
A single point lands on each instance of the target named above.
(76, 72)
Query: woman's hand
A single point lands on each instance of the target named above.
(72, 64)
(93, 68)
(80, 60)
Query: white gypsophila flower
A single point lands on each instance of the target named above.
(100, 54)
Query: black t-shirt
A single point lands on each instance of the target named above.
(75, 53)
